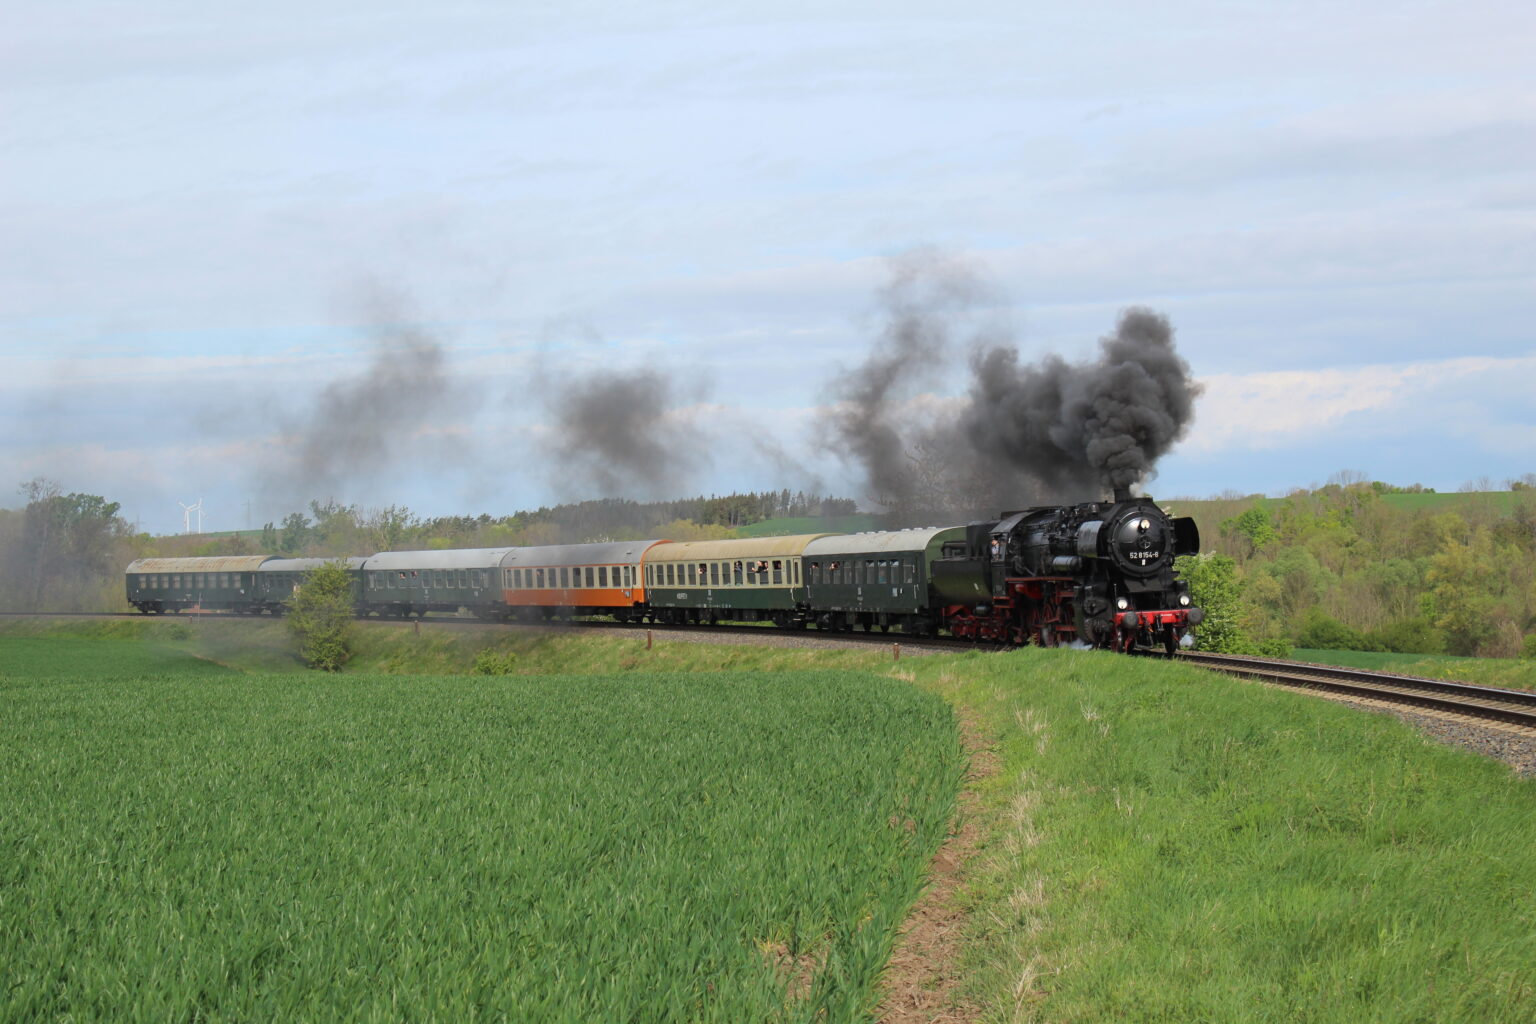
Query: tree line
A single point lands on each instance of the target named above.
(1359, 565)
(331, 528)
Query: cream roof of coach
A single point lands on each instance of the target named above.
(448, 558)
(306, 564)
(621, 552)
(730, 550)
(214, 563)
(884, 541)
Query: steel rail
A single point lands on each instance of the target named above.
(1515, 707)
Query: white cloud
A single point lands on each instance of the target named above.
(1281, 409)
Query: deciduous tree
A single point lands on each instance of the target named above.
(321, 616)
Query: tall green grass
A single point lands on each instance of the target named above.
(39, 657)
(186, 844)
(264, 645)
(1162, 843)
(1168, 844)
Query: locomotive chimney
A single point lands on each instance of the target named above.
(1122, 494)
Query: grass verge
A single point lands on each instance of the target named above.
(264, 645)
(1511, 673)
(1168, 844)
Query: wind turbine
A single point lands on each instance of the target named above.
(186, 516)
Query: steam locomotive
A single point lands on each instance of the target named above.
(1098, 574)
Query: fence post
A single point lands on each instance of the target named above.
(647, 639)
(895, 652)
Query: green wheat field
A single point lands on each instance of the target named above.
(184, 842)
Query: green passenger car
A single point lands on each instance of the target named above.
(278, 579)
(761, 579)
(874, 580)
(404, 583)
(221, 583)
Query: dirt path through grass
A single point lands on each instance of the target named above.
(923, 975)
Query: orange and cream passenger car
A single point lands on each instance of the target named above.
(577, 579)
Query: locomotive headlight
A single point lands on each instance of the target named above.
(1122, 603)
(1144, 525)
(1184, 600)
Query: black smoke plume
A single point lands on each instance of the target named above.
(622, 432)
(1048, 431)
(369, 425)
(1080, 427)
(870, 421)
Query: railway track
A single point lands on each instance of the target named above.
(1465, 700)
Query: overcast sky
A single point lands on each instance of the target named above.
(214, 213)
